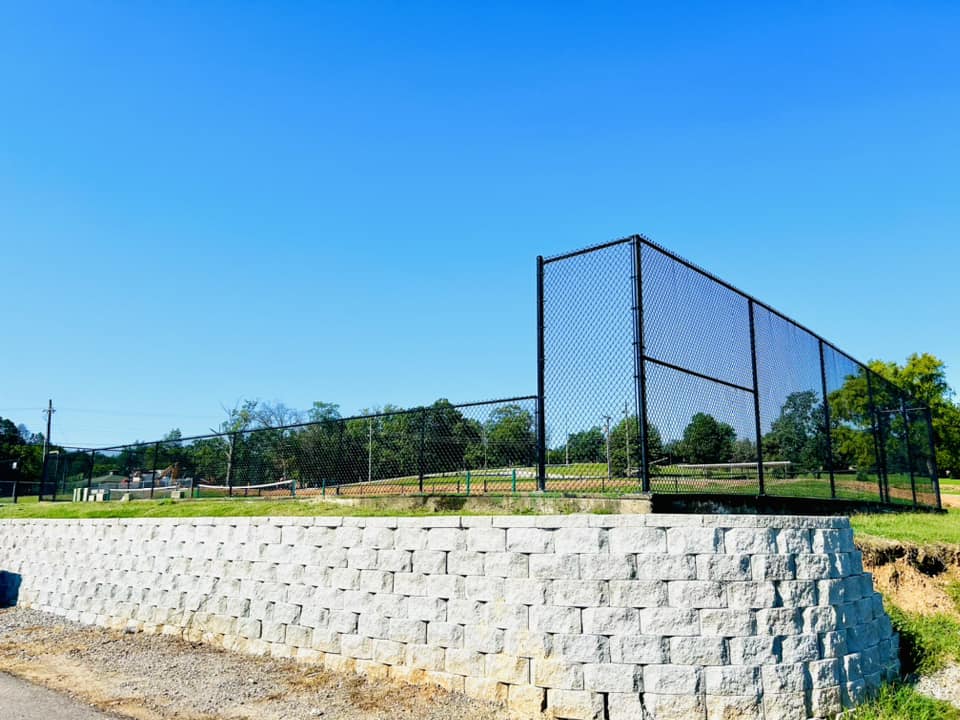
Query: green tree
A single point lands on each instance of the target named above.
(707, 440)
(510, 437)
(586, 446)
(626, 434)
(797, 435)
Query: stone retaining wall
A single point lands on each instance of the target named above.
(618, 617)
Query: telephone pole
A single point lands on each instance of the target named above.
(46, 448)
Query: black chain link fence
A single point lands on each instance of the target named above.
(657, 376)
(653, 376)
(474, 448)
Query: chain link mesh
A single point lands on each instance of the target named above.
(734, 397)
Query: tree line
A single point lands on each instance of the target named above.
(799, 432)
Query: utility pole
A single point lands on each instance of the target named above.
(606, 419)
(46, 447)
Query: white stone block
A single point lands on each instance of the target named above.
(505, 564)
(557, 673)
(630, 540)
(732, 680)
(554, 567)
(611, 621)
(672, 679)
(607, 567)
(580, 540)
(575, 704)
(580, 593)
(486, 539)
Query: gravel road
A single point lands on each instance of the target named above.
(155, 678)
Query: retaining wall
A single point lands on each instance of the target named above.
(581, 616)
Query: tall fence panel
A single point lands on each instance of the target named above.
(724, 394)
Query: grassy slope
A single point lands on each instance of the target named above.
(190, 508)
(920, 528)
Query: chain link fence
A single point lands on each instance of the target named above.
(654, 375)
(473, 448)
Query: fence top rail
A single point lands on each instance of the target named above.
(311, 423)
(729, 286)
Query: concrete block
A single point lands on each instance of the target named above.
(462, 661)
(607, 567)
(610, 621)
(554, 567)
(669, 621)
(673, 706)
(744, 707)
(639, 649)
(783, 678)
(465, 612)
(505, 565)
(462, 562)
(672, 679)
(553, 619)
(486, 690)
(666, 567)
(486, 539)
(430, 562)
(694, 540)
(526, 701)
(582, 648)
(698, 651)
(557, 673)
(445, 634)
(580, 540)
(624, 706)
(638, 593)
(526, 591)
(631, 540)
(696, 594)
(484, 588)
(751, 595)
(446, 539)
(508, 669)
(425, 657)
(724, 568)
(751, 541)
(732, 680)
(575, 705)
(482, 638)
(580, 593)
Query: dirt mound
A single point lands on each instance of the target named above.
(915, 578)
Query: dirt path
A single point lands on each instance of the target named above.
(156, 678)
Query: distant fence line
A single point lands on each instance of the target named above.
(699, 388)
(439, 448)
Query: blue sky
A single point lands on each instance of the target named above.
(206, 201)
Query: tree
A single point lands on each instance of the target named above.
(586, 446)
(923, 376)
(797, 435)
(706, 440)
(510, 437)
(626, 433)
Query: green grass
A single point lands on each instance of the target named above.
(920, 528)
(903, 702)
(220, 507)
(927, 642)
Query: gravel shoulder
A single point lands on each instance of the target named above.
(155, 678)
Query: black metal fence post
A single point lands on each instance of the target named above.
(93, 459)
(423, 436)
(231, 459)
(879, 442)
(761, 487)
(906, 438)
(153, 477)
(541, 382)
(827, 427)
(934, 469)
(639, 365)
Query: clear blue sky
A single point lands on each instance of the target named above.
(206, 201)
